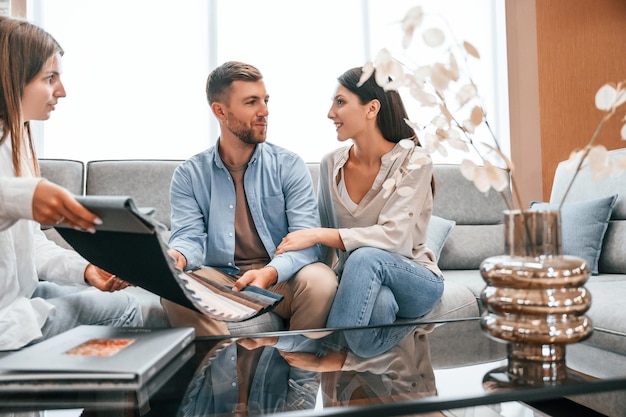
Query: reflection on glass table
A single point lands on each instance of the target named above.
(325, 372)
(290, 372)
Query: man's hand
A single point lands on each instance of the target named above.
(328, 363)
(179, 258)
(263, 278)
(53, 204)
(103, 280)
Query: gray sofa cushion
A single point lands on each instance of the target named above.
(469, 245)
(612, 259)
(583, 226)
(438, 232)
(147, 181)
(67, 173)
(314, 170)
(456, 302)
(478, 232)
(468, 278)
(608, 293)
(459, 200)
(584, 188)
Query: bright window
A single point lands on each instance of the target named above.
(135, 71)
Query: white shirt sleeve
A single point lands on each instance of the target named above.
(16, 199)
(55, 263)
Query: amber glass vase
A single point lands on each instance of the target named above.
(535, 300)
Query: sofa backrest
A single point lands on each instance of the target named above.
(65, 172)
(68, 173)
(147, 181)
(314, 170)
(612, 259)
(478, 232)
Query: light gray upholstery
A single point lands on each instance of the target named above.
(612, 259)
(64, 172)
(478, 234)
(478, 219)
(147, 181)
(607, 344)
(456, 198)
(67, 173)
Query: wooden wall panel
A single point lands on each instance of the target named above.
(524, 115)
(580, 46)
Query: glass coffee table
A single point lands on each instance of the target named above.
(326, 372)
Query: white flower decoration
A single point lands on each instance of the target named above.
(389, 72)
(434, 37)
(418, 158)
(600, 162)
(390, 184)
(485, 177)
(412, 20)
(461, 122)
(609, 97)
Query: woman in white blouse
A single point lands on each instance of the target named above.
(386, 271)
(32, 307)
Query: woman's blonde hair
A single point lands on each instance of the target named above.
(24, 50)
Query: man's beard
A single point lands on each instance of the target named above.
(243, 132)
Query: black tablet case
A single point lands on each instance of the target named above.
(129, 244)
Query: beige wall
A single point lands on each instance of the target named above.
(18, 8)
(523, 98)
(560, 53)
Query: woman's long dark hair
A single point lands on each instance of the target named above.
(392, 114)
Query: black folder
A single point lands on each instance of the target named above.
(130, 244)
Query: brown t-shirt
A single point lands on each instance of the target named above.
(248, 246)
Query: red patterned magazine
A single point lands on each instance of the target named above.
(100, 347)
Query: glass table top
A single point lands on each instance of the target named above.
(325, 372)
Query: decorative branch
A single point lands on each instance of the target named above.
(444, 84)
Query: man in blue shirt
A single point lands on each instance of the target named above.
(233, 204)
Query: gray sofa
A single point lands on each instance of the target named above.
(477, 233)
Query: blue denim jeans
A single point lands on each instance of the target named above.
(378, 287)
(79, 305)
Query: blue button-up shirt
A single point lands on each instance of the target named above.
(275, 385)
(280, 195)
